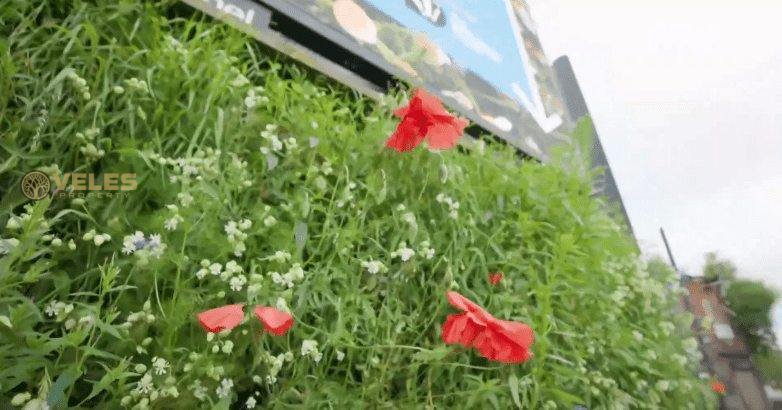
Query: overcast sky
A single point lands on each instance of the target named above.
(687, 98)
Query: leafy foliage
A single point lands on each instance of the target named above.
(751, 302)
(260, 182)
(718, 268)
(769, 364)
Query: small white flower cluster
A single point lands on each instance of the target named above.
(172, 222)
(89, 149)
(200, 391)
(310, 348)
(58, 310)
(427, 250)
(25, 399)
(15, 222)
(78, 82)
(224, 390)
(404, 253)
(347, 196)
(294, 274)
(638, 336)
(255, 97)
(55, 241)
(204, 164)
(279, 257)
(233, 274)
(238, 171)
(185, 199)
(159, 365)
(146, 390)
(326, 169)
(137, 85)
(97, 238)
(276, 145)
(176, 46)
(143, 316)
(373, 266)
(453, 205)
(142, 246)
(275, 365)
(225, 346)
(236, 234)
(270, 135)
(239, 80)
(620, 295)
(409, 218)
(7, 245)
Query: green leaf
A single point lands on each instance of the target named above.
(56, 397)
(513, 383)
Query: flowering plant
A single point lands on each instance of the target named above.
(261, 183)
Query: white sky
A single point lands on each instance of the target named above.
(687, 98)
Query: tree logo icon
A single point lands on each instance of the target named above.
(35, 185)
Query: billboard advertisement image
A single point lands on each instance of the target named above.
(482, 57)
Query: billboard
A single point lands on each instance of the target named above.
(481, 57)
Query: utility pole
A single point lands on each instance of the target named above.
(668, 248)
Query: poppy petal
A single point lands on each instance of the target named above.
(470, 332)
(406, 137)
(274, 321)
(424, 117)
(453, 327)
(429, 103)
(457, 300)
(497, 340)
(445, 132)
(222, 318)
(517, 332)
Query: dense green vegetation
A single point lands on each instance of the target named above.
(261, 182)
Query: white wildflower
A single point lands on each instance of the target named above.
(233, 267)
(225, 388)
(638, 336)
(215, 269)
(101, 239)
(404, 253)
(185, 199)
(250, 403)
(269, 221)
(171, 223)
(373, 266)
(145, 385)
(296, 272)
(280, 256)
(160, 365)
(20, 399)
(282, 305)
(237, 282)
(51, 309)
(310, 348)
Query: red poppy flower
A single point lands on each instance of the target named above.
(496, 277)
(718, 387)
(223, 318)
(274, 321)
(424, 118)
(497, 340)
